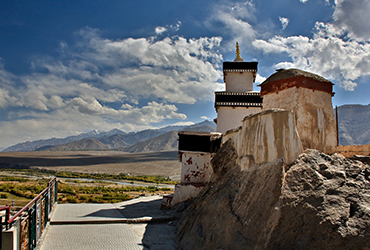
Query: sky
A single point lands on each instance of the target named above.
(68, 67)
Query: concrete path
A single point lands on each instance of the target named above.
(134, 224)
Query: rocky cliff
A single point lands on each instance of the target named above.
(317, 201)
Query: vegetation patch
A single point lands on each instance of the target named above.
(66, 174)
(71, 191)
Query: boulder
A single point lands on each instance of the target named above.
(318, 202)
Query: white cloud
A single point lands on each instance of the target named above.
(329, 53)
(160, 30)
(174, 69)
(176, 27)
(339, 51)
(353, 16)
(183, 124)
(204, 117)
(259, 79)
(284, 22)
(97, 82)
(173, 27)
(233, 19)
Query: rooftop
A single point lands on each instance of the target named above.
(290, 73)
(251, 66)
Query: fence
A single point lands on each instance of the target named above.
(32, 218)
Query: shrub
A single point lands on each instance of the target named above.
(3, 196)
(71, 199)
(84, 197)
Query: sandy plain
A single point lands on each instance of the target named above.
(111, 162)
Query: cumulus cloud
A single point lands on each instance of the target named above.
(353, 15)
(259, 79)
(340, 53)
(174, 70)
(284, 22)
(131, 83)
(204, 117)
(338, 50)
(233, 18)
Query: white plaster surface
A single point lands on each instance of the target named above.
(265, 137)
(196, 167)
(239, 81)
(184, 192)
(314, 115)
(232, 117)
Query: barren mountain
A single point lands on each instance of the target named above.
(44, 144)
(113, 139)
(354, 121)
(85, 144)
(165, 142)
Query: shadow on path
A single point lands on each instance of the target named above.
(156, 234)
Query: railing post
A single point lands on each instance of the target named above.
(35, 218)
(7, 217)
(1, 232)
(32, 227)
(46, 217)
(55, 190)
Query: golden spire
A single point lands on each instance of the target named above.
(238, 57)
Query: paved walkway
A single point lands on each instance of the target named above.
(134, 224)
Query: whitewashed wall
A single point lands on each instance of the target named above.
(239, 82)
(265, 137)
(314, 114)
(232, 117)
(196, 167)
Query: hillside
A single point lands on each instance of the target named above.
(85, 144)
(44, 144)
(354, 121)
(114, 139)
(165, 142)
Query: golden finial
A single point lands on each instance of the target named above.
(238, 57)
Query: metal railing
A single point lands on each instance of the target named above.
(33, 217)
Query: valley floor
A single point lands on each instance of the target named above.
(111, 162)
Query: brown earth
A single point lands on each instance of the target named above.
(110, 162)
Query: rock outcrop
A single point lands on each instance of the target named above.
(318, 202)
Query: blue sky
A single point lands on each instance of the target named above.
(68, 67)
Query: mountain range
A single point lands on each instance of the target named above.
(163, 139)
(354, 124)
(354, 129)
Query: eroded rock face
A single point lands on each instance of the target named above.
(319, 202)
